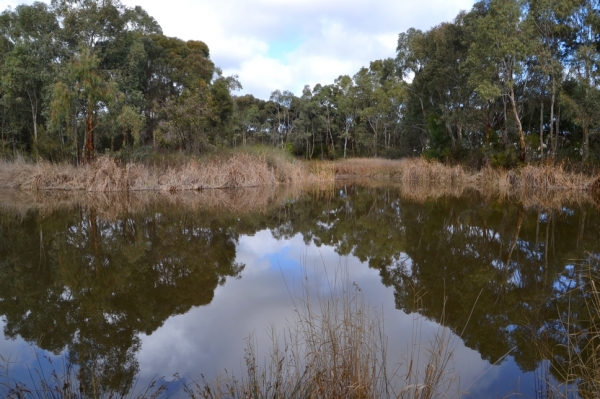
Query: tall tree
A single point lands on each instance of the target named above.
(27, 70)
(504, 43)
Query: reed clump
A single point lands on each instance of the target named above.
(577, 372)
(421, 171)
(336, 349)
(106, 175)
(253, 169)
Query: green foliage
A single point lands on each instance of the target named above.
(504, 159)
(101, 74)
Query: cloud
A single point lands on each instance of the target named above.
(285, 44)
(275, 44)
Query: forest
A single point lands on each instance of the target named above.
(505, 83)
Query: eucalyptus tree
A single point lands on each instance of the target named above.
(584, 68)
(548, 18)
(173, 65)
(347, 104)
(103, 41)
(504, 43)
(29, 33)
(326, 99)
(186, 120)
(309, 122)
(373, 101)
(279, 106)
(247, 115)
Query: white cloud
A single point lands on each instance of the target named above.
(275, 44)
(285, 44)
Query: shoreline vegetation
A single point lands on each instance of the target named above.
(245, 169)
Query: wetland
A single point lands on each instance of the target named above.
(130, 288)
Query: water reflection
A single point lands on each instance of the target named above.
(73, 281)
(93, 283)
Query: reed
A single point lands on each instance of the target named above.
(337, 349)
(106, 175)
(65, 383)
(578, 371)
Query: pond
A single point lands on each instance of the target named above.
(143, 287)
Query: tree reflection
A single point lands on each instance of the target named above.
(502, 276)
(491, 271)
(74, 281)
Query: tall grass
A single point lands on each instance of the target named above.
(65, 383)
(578, 370)
(335, 347)
(261, 167)
(415, 171)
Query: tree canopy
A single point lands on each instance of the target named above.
(507, 81)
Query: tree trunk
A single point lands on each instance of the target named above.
(449, 133)
(552, 142)
(345, 144)
(35, 127)
(89, 135)
(586, 142)
(542, 131)
(487, 129)
(505, 130)
(519, 126)
(557, 130)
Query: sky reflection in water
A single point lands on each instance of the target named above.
(209, 339)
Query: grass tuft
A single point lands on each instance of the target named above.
(336, 349)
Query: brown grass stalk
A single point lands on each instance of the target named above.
(105, 175)
(579, 370)
(245, 169)
(336, 349)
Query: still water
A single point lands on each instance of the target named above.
(149, 286)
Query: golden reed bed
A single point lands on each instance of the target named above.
(247, 170)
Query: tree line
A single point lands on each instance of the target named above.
(508, 81)
(78, 77)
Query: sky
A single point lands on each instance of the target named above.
(285, 44)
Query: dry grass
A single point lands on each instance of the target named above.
(412, 171)
(422, 180)
(105, 175)
(243, 169)
(579, 368)
(337, 349)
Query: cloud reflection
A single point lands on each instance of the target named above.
(211, 339)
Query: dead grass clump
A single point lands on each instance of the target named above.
(367, 167)
(595, 186)
(335, 349)
(578, 370)
(552, 177)
(105, 175)
(18, 174)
